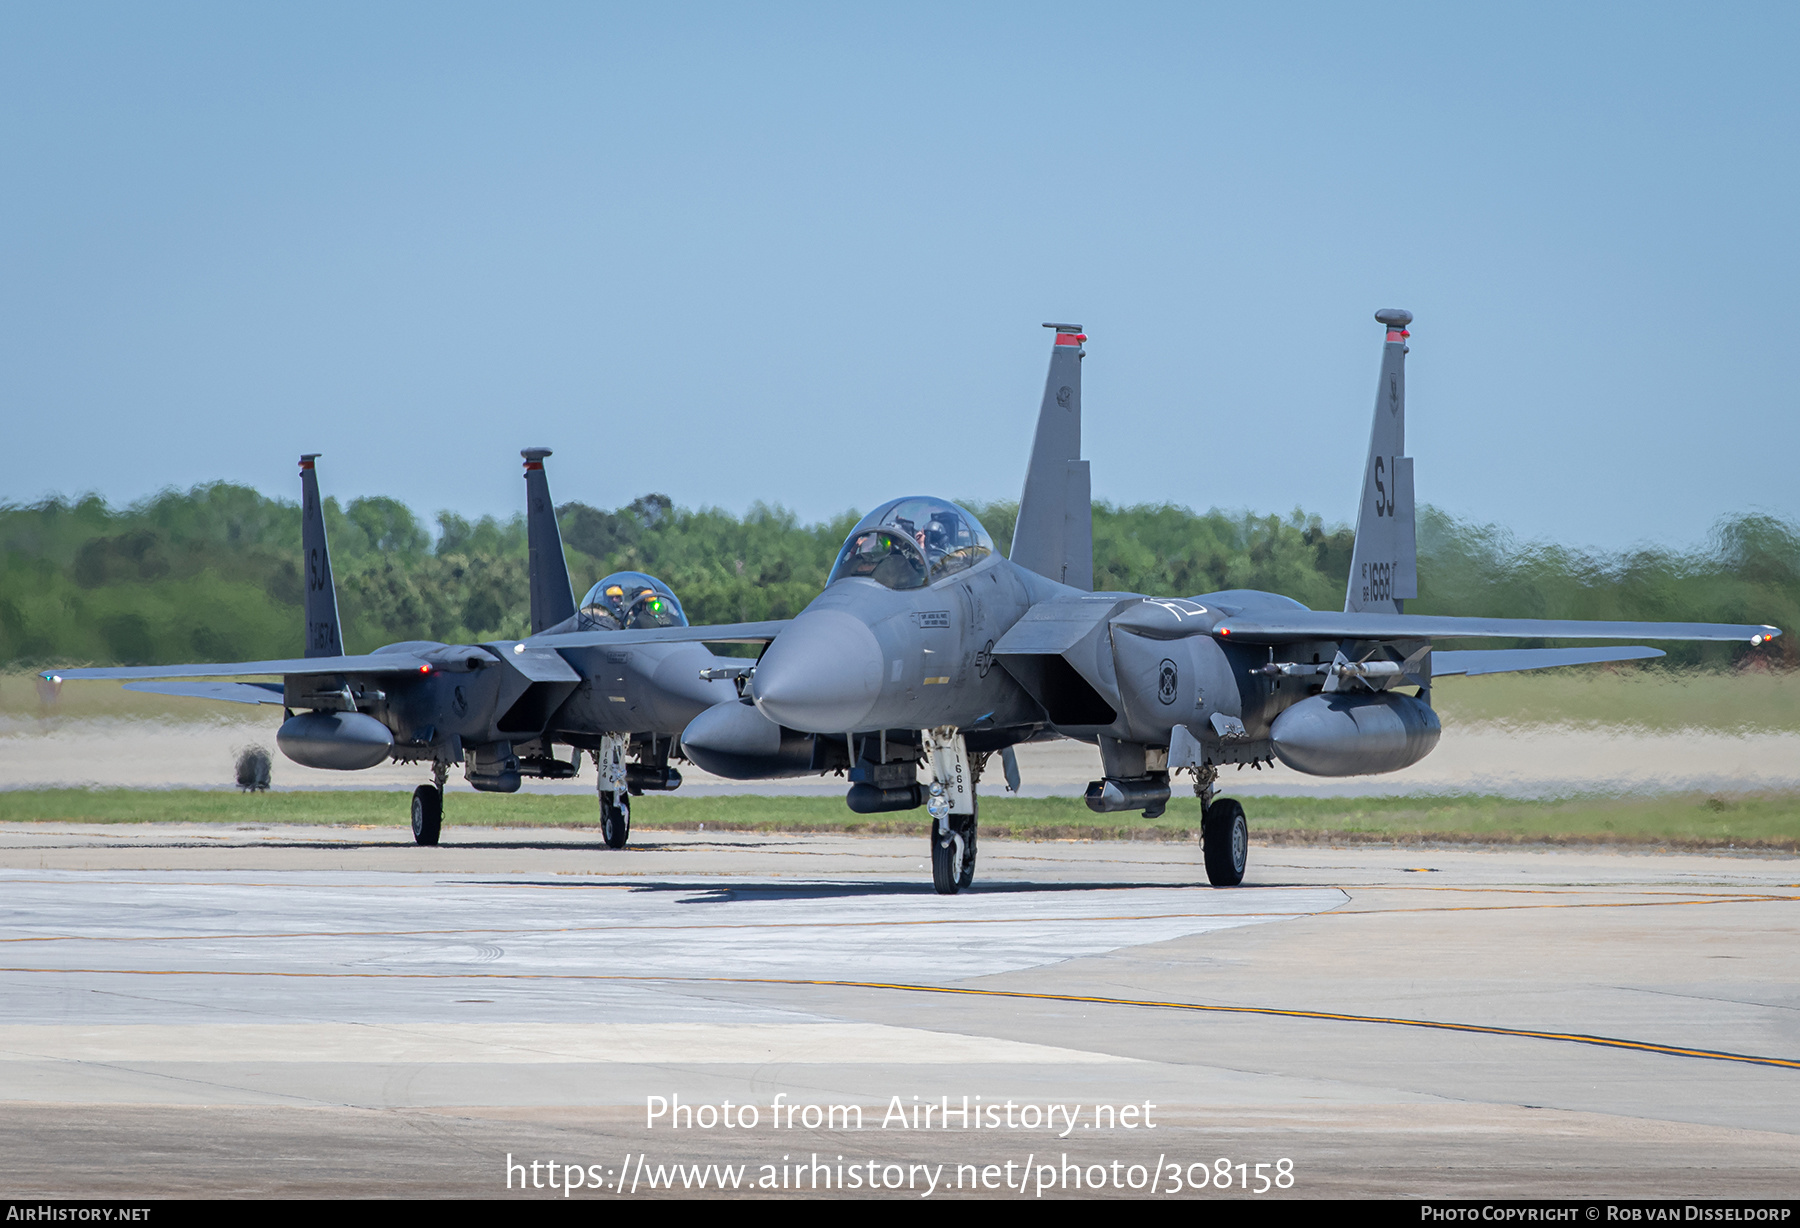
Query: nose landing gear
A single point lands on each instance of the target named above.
(615, 820)
(615, 796)
(950, 801)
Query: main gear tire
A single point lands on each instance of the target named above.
(947, 861)
(615, 820)
(427, 813)
(1225, 842)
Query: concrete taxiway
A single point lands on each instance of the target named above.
(205, 1011)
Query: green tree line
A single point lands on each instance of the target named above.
(212, 574)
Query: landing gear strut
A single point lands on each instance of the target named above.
(950, 801)
(615, 798)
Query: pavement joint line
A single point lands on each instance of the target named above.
(1746, 898)
(1707, 893)
(1580, 1038)
(758, 925)
(610, 929)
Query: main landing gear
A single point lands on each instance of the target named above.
(1225, 842)
(615, 795)
(950, 801)
(1224, 832)
(428, 807)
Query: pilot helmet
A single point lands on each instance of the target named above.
(939, 536)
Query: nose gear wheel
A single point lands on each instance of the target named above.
(615, 820)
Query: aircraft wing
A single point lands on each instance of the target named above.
(723, 633)
(412, 663)
(1513, 660)
(368, 663)
(230, 692)
(1275, 626)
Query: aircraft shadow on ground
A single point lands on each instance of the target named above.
(698, 893)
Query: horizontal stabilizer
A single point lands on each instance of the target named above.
(1513, 660)
(1279, 626)
(229, 692)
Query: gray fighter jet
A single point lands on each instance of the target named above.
(929, 652)
(500, 709)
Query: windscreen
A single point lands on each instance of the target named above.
(910, 543)
(633, 599)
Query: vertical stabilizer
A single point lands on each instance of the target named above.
(552, 601)
(323, 638)
(1055, 532)
(1384, 565)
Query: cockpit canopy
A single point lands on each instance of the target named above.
(632, 599)
(912, 542)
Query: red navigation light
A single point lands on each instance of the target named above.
(424, 669)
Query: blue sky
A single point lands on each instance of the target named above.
(800, 253)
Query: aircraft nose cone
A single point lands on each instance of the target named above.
(821, 675)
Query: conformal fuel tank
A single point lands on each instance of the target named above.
(342, 741)
(1354, 735)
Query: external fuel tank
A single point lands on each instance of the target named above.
(1355, 734)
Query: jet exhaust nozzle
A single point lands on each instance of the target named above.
(1116, 793)
(865, 798)
(337, 741)
(1355, 735)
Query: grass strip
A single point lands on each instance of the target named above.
(1747, 821)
